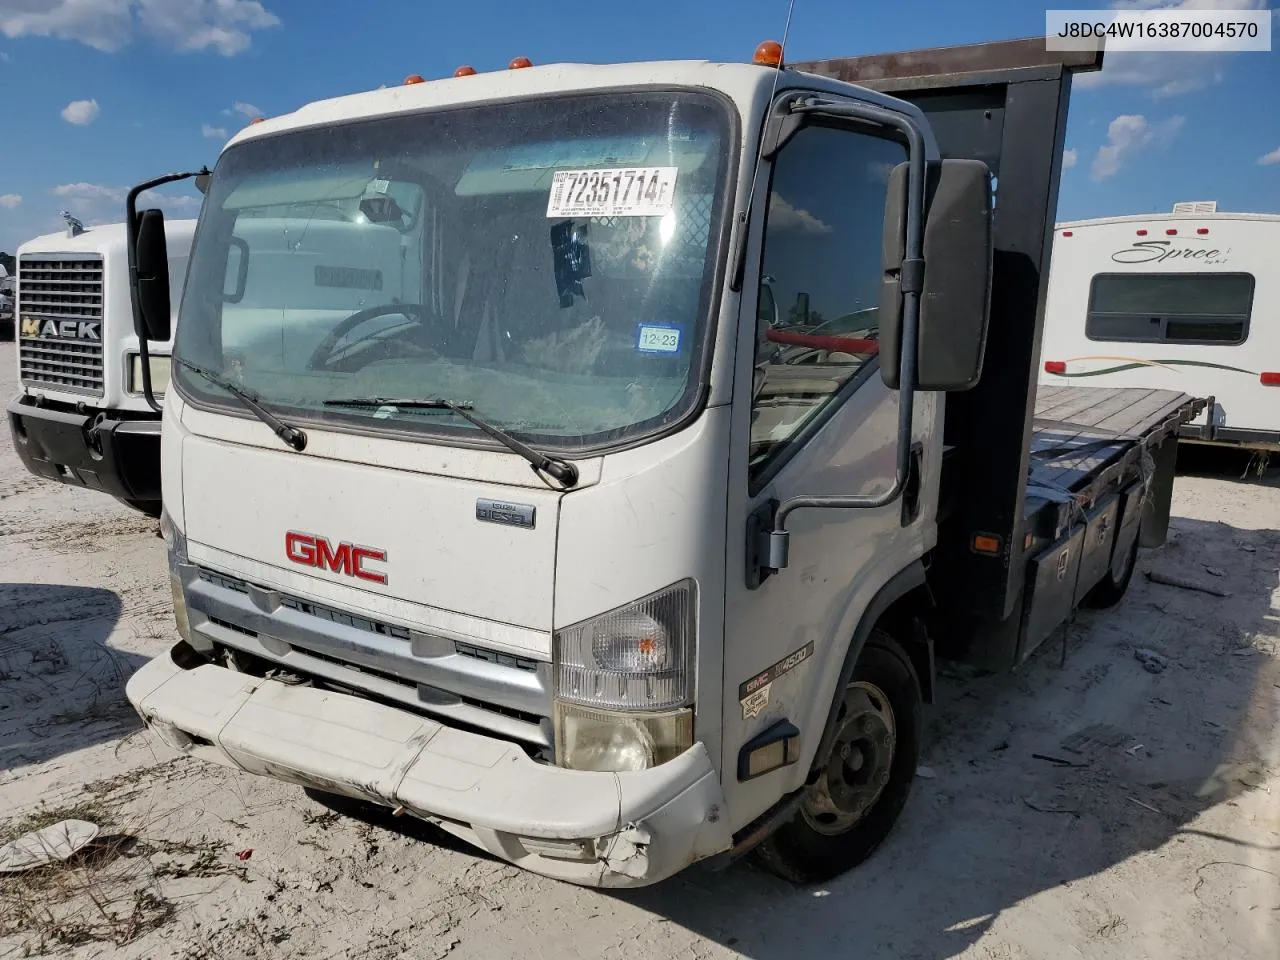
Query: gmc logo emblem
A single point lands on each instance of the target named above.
(346, 558)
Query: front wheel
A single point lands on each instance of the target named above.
(150, 507)
(849, 810)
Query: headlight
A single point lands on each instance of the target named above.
(623, 683)
(606, 740)
(638, 657)
(160, 367)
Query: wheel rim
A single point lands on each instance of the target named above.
(860, 763)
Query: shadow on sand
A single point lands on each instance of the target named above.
(61, 686)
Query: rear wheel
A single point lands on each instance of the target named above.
(1115, 582)
(846, 813)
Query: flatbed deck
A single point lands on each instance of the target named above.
(1084, 437)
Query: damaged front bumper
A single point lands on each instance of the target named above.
(596, 829)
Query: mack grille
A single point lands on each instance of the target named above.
(59, 319)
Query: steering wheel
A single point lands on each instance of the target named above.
(320, 357)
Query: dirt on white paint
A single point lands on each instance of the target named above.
(1158, 837)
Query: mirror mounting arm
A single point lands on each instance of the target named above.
(131, 245)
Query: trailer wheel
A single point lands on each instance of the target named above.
(1111, 588)
(856, 799)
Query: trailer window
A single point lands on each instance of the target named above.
(1194, 308)
(818, 314)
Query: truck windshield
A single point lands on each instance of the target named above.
(548, 262)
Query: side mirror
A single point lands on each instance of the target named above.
(956, 292)
(153, 276)
(202, 182)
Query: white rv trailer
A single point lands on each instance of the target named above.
(1188, 300)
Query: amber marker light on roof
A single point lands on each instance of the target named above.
(768, 54)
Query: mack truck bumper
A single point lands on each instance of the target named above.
(594, 829)
(100, 452)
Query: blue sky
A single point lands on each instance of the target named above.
(98, 94)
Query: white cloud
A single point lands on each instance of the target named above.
(1165, 74)
(222, 25)
(170, 203)
(1266, 160)
(1128, 135)
(90, 193)
(248, 109)
(80, 112)
(11, 200)
(785, 216)
(101, 24)
(97, 200)
(225, 26)
(213, 133)
(878, 172)
(1069, 158)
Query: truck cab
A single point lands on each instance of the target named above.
(82, 417)
(497, 491)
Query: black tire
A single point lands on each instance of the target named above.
(809, 849)
(1111, 589)
(150, 507)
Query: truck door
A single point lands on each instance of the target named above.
(811, 417)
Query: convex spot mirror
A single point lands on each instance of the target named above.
(956, 293)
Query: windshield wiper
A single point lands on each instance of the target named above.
(427, 404)
(561, 470)
(292, 436)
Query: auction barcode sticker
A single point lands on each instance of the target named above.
(625, 192)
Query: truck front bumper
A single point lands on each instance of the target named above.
(118, 457)
(595, 829)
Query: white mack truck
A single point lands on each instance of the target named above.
(83, 417)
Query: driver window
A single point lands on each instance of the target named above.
(820, 280)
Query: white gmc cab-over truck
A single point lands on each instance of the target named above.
(83, 417)
(497, 493)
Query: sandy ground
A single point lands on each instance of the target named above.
(1162, 842)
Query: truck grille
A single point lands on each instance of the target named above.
(59, 317)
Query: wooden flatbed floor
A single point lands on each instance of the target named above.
(1079, 430)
